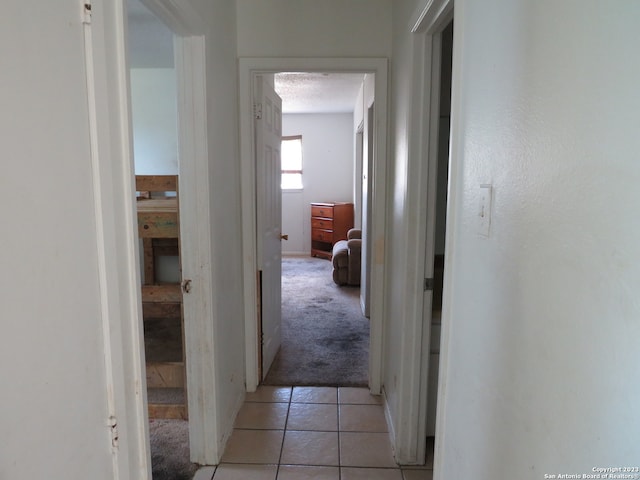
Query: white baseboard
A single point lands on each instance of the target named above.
(390, 426)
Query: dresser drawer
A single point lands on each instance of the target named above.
(330, 222)
(318, 211)
(323, 223)
(321, 235)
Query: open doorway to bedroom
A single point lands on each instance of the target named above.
(155, 144)
(324, 334)
(251, 71)
(155, 91)
(438, 161)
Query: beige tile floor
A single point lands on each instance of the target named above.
(311, 433)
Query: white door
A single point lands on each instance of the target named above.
(53, 362)
(268, 128)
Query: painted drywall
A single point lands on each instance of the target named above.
(548, 121)
(368, 156)
(154, 121)
(327, 156)
(52, 363)
(358, 127)
(542, 316)
(364, 100)
(292, 28)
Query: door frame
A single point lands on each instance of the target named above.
(249, 67)
(195, 226)
(116, 227)
(357, 177)
(411, 424)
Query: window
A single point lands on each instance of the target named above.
(291, 161)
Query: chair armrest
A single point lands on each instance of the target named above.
(354, 233)
(354, 245)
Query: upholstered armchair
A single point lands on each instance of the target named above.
(346, 259)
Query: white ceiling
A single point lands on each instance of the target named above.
(318, 92)
(151, 46)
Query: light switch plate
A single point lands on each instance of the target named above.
(484, 210)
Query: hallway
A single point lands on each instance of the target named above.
(321, 433)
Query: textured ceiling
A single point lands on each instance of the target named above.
(318, 92)
(151, 46)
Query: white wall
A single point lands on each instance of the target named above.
(365, 99)
(363, 211)
(538, 320)
(327, 163)
(400, 177)
(542, 316)
(154, 117)
(56, 293)
(291, 28)
(358, 122)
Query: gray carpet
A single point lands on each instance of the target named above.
(325, 337)
(170, 450)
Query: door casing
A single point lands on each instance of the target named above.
(249, 67)
(195, 225)
(410, 424)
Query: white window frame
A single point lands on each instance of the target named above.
(296, 171)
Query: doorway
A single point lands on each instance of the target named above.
(432, 169)
(153, 94)
(155, 144)
(190, 159)
(422, 170)
(324, 335)
(249, 68)
(435, 256)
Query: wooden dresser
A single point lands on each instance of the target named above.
(330, 222)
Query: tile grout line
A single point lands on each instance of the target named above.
(286, 429)
(284, 434)
(339, 435)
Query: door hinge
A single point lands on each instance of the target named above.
(112, 424)
(428, 284)
(86, 12)
(257, 111)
